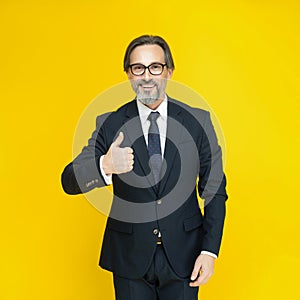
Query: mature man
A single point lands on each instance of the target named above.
(159, 154)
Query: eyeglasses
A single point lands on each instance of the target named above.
(154, 69)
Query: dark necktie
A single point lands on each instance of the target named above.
(154, 149)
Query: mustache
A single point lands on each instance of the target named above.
(143, 81)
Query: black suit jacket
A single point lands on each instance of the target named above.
(193, 165)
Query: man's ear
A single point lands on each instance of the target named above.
(128, 74)
(170, 73)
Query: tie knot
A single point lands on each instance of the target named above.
(153, 116)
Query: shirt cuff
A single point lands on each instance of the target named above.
(107, 178)
(209, 253)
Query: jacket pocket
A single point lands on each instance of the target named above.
(119, 226)
(192, 222)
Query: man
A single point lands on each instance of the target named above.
(159, 154)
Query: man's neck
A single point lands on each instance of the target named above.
(155, 104)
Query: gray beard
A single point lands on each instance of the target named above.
(145, 97)
(147, 101)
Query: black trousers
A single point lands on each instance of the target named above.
(159, 283)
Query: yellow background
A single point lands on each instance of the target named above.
(56, 56)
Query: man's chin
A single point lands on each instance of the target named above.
(147, 100)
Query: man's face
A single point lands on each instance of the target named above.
(150, 89)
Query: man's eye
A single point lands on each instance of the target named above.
(138, 68)
(155, 67)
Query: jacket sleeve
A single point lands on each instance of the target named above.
(83, 173)
(212, 187)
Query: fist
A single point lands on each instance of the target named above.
(118, 160)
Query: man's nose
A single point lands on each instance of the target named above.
(147, 74)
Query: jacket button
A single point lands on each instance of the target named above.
(155, 231)
(158, 202)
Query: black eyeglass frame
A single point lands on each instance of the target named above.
(148, 67)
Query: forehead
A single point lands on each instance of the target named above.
(147, 54)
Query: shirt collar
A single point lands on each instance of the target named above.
(144, 111)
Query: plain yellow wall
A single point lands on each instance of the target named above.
(56, 56)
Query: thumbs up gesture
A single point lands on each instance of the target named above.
(118, 160)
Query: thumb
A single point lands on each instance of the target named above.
(196, 270)
(119, 139)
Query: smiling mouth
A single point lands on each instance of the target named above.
(148, 86)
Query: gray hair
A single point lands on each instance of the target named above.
(149, 40)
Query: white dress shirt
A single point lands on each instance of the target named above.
(144, 112)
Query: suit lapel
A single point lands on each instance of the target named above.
(134, 133)
(174, 132)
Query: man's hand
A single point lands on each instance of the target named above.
(203, 270)
(118, 160)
